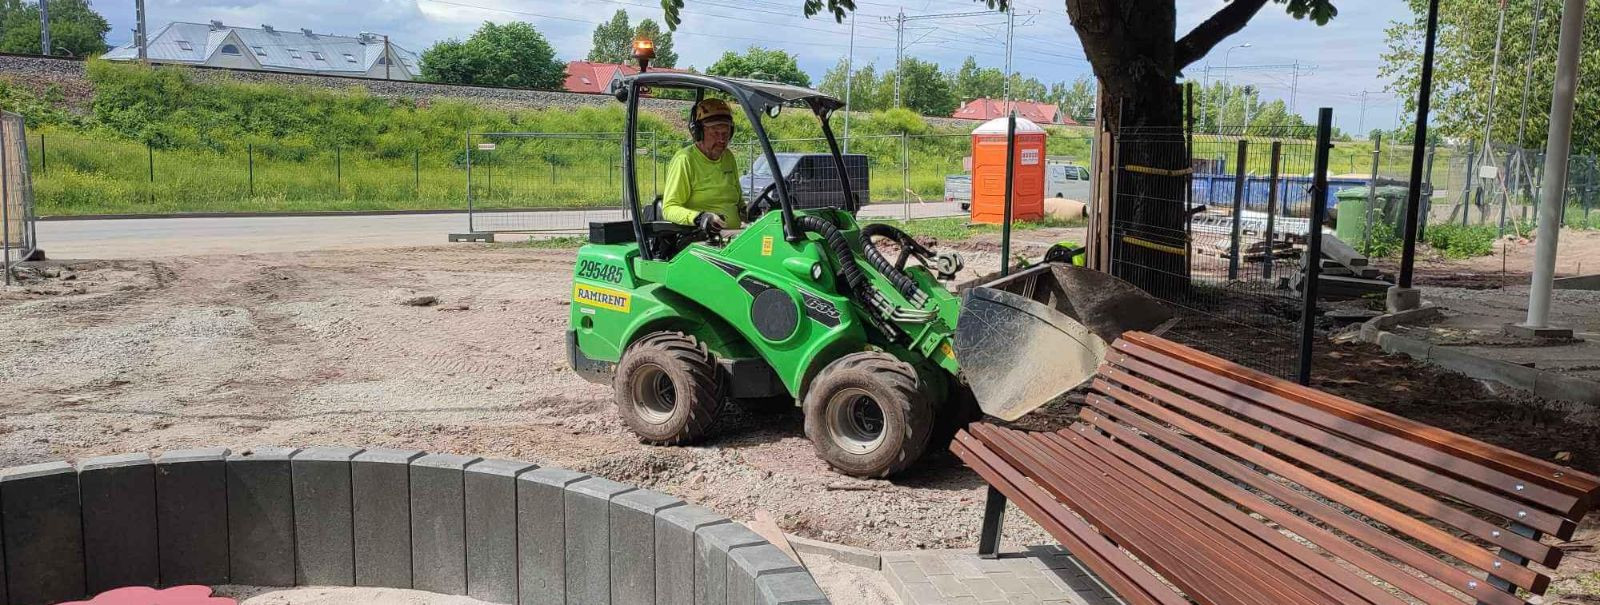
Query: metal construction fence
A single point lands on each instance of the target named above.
(18, 238)
(1226, 252)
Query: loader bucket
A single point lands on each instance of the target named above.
(1027, 338)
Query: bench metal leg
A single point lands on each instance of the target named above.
(994, 513)
(1500, 584)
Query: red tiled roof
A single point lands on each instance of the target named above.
(989, 109)
(583, 76)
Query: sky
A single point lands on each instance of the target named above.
(1337, 61)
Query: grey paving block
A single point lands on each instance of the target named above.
(261, 517)
(380, 484)
(118, 494)
(588, 525)
(43, 528)
(633, 545)
(541, 535)
(438, 523)
(711, 548)
(491, 489)
(192, 516)
(324, 526)
(747, 563)
(675, 558)
(790, 588)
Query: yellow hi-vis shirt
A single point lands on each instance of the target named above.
(697, 184)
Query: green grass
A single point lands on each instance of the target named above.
(1461, 242)
(563, 242)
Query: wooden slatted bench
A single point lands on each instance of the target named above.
(1191, 478)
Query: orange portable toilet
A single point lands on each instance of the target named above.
(989, 172)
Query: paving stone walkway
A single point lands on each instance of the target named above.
(1042, 574)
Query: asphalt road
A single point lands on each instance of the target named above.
(157, 237)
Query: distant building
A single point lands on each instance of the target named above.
(584, 76)
(989, 109)
(270, 49)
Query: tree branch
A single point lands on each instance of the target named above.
(1208, 33)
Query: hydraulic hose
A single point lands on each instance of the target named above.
(840, 246)
(908, 287)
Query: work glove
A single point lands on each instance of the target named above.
(709, 222)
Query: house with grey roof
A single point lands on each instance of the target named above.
(267, 48)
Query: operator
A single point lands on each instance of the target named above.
(703, 179)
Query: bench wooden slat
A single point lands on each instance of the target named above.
(1273, 549)
(1323, 538)
(1416, 501)
(1434, 537)
(1453, 577)
(1331, 572)
(1133, 583)
(1582, 486)
(1537, 518)
(1205, 569)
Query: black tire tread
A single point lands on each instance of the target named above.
(901, 378)
(708, 385)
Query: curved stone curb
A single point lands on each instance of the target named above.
(497, 530)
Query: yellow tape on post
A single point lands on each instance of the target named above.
(1158, 171)
(1143, 243)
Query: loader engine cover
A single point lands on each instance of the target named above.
(1028, 338)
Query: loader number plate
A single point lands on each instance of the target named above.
(589, 269)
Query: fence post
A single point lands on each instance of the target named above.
(43, 157)
(250, 152)
(416, 172)
(5, 203)
(1238, 210)
(1319, 210)
(468, 149)
(1272, 211)
(150, 189)
(905, 180)
(1372, 195)
(1466, 188)
(1425, 197)
(338, 171)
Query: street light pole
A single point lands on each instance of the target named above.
(849, 78)
(1225, 75)
(1558, 148)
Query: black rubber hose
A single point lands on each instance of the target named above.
(902, 282)
(840, 246)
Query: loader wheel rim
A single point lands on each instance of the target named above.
(856, 421)
(654, 395)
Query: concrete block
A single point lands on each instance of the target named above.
(633, 545)
(541, 535)
(1402, 299)
(1393, 343)
(261, 517)
(675, 554)
(712, 545)
(588, 528)
(1518, 376)
(192, 516)
(324, 526)
(748, 563)
(380, 484)
(438, 523)
(789, 588)
(43, 529)
(118, 495)
(491, 490)
(1543, 332)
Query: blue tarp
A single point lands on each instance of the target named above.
(1216, 190)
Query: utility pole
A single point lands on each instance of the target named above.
(1011, 25)
(1361, 124)
(139, 30)
(849, 78)
(44, 28)
(1558, 148)
(900, 44)
(899, 51)
(386, 59)
(1205, 95)
(1294, 85)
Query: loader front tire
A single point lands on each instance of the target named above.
(668, 389)
(867, 416)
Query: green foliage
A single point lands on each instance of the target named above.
(613, 41)
(45, 108)
(511, 55)
(1462, 241)
(865, 87)
(1222, 105)
(75, 28)
(760, 63)
(1463, 70)
(922, 88)
(1384, 242)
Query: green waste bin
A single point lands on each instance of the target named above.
(1350, 215)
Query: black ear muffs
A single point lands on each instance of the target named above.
(697, 130)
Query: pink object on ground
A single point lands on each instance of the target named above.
(143, 595)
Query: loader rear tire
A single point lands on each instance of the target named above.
(668, 389)
(867, 416)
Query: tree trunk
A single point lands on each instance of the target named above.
(1131, 45)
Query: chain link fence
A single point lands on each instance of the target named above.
(1217, 226)
(17, 236)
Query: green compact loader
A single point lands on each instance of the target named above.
(811, 306)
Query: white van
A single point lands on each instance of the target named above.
(1065, 180)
